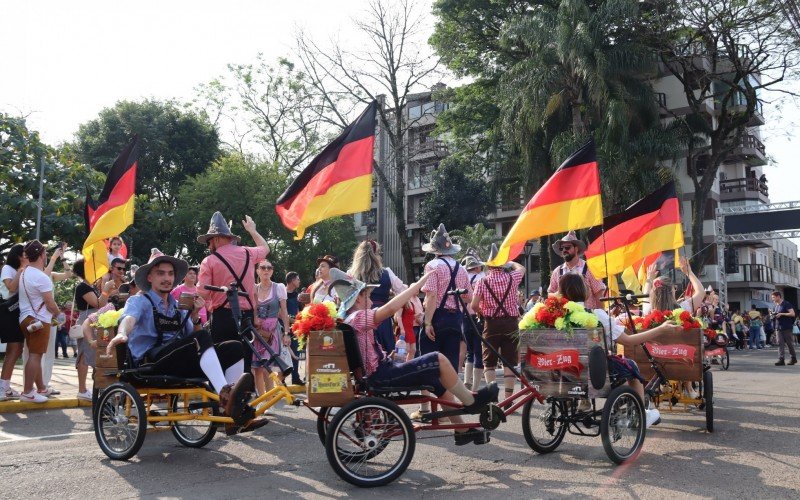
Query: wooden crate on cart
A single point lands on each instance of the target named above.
(557, 363)
(327, 369)
(105, 365)
(679, 354)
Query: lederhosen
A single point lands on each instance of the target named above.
(500, 327)
(180, 356)
(447, 324)
(472, 335)
(379, 297)
(223, 327)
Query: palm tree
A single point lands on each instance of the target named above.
(476, 240)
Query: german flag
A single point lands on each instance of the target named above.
(337, 182)
(570, 199)
(112, 213)
(649, 226)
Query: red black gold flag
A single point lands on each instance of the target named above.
(649, 226)
(112, 213)
(337, 182)
(570, 199)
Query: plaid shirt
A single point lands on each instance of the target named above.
(363, 322)
(497, 280)
(594, 285)
(439, 282)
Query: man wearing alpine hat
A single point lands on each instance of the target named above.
(570, 248)
(171, 342)
(229, 263)
(444, 320)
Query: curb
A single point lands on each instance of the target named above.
(62, 404)
(51, 404)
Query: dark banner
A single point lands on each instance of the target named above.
(769, 221)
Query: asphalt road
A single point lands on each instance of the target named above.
(754, 453)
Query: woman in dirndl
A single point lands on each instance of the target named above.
(271, 319)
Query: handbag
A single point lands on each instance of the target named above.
(76, 330)
(10, 304)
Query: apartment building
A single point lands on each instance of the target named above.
(754, 269)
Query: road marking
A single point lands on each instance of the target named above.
(6, 437)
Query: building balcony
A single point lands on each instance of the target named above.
(748, 188)
(749, 150)
(429, 148)
(752, 277)
(758, 113)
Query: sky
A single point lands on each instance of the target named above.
(63, 62)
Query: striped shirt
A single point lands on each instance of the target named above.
(497, 280)
(363, 322)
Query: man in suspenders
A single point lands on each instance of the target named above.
(228, 263)
(570, 247)
(442, 328)
(496, 300)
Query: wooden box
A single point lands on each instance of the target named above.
(326, 343)
(557, 364)
(329, 381)
(105, 364)
(680, 355)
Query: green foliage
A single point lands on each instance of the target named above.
(175, 145)
(65, 181)
(456, 199)
(476, 239)
(238, 186)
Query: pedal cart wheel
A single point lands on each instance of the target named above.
(324, 417)
(543, 425)
(191, 433)
(120, 421)
(622, 426)
(708, 399)
(726, 360)
(370, 442)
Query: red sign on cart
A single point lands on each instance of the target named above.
(679, 352)
(558, 360)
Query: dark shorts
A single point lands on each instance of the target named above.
(447, 325)
(223, 328)
(9, 326)
(181, 358)
(420, 371)
(502, 334)
(624, 368)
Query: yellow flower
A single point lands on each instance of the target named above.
(536, 308)
(573, 307)
(584, 319)
(560, 323)
(331, 308)
(109, 319)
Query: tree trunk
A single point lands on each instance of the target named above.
(700, 198)
(544, 262)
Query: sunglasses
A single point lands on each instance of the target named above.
(120, 269)
(268, 268)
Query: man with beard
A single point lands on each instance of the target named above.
(570, 247)
(170, 341)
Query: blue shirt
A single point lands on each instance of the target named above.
(784, 322)
(143, 336)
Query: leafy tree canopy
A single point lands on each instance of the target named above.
(456, 199)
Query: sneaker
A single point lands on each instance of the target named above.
(477, 436)
(653, 417)
(418, 415)
(780, 362)
(85, 395)
(793, 361)
(10, 394)
(49, 391)
(584, 405)
(32, 397)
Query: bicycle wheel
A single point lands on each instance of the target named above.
(120, 421)
(192, 433)
(726, 360)
(326, 413)
(622, 426)
(370, 442)
(708, 399)
(544, 425)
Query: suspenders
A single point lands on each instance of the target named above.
(451, 285)
(238, 278)
(501, 303)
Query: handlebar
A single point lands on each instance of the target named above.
(223, 290)
(627, 297)
(457, 291)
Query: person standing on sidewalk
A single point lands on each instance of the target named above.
(784, 315)
(37, 307)
(10, 333)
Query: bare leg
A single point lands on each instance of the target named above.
(258, 375)
(83, 371)
(32, 372)
(13, 352)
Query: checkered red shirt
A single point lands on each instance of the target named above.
(497, 280)
(594, 285)
(363, 322)
(439, 282)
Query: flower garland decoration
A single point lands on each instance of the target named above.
(316, 317)
(677, 317)
(559, 313)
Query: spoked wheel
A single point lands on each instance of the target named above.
(192, 433)
(708, 399)
(543, 425)
(326, 413)
(120, 421)
(370, 442)
(622, 426)
(726, 360)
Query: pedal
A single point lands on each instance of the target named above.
(483, 438)
(247, 415)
